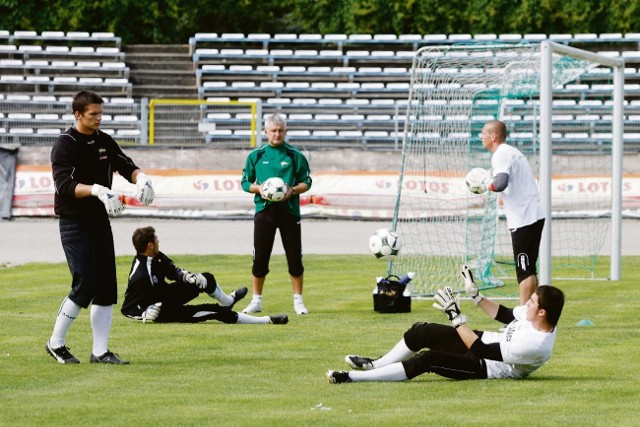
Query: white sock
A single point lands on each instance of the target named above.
(297, 298)
(256, 298)
(67, 313)
(393, 372)
(221, 296)
(247, 319)
(101, 316)
(398, 353)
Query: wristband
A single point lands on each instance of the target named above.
(476, 299)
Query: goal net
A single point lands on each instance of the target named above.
(454, 91)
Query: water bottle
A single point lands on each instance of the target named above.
(406, 278)
(375, 289)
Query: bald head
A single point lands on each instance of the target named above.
(498, 128)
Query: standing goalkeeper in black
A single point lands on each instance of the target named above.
(83, 160)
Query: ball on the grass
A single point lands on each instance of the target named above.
(274, 189)
(385, 243)
(477, 180)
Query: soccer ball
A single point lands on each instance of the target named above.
(385, 243)
(477, 180)
(274, 189)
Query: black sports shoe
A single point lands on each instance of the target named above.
(237, 295)
(108, 357)
(279, 319)
(359, 362)
(61, 354)
(338, 377)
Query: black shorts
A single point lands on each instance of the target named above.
(88, 247)
(526, 247)
(265, 224)
(447, 354)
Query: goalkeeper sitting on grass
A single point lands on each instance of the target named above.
(460, 352)
(150, 298)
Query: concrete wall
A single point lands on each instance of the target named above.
(221, 159)
(321, 160)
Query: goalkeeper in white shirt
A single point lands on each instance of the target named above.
(513, 178)
(459, 352)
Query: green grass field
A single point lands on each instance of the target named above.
(217, 374)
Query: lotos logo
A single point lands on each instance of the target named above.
(383, 184)
(565, 188)
(201, 185)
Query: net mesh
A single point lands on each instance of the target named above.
(454, 91)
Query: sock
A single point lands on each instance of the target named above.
(398, 353)
(297, 298)
(256, 298)
(247, 319)
(67, 313)
(393, 372)
(221, 296)
(101, 316)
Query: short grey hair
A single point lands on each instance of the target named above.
(275, 119)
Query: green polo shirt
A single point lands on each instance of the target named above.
(284, 161)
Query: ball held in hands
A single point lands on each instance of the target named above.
(478, 180)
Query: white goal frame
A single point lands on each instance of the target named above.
(547, 49)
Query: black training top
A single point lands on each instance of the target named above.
(77, 158)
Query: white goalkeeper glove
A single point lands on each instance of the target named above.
(447, 303)
(196, 279)
(470, 286)
(110, 199)
(145, 192)
(478, 180)
(151, 313)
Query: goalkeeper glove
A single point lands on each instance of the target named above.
(110, 199)
(145, 192)
(151, 313)
(196, 279)
(470, 286)
(449, 305)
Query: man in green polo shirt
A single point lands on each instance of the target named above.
(276, 159)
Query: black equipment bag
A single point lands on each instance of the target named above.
(389, 296)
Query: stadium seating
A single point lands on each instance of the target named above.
(60, 64)
(359, 76)
(335, 89)
(37, 119)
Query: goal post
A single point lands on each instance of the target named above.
(547, 49)
(574, 148)
(196, 122)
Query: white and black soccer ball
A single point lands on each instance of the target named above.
(274, 189)
(385, 243)
(477, 180)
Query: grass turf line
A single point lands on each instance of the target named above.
(212, 373)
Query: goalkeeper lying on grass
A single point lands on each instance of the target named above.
(150, 298)
(459, 352)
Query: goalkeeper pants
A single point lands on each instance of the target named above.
(447, 356)
(196, 313)
(266, 223)
(88, 246)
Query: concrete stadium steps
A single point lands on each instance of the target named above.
(161, 71)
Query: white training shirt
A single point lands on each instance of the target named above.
(524, 349)
(521, 198)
